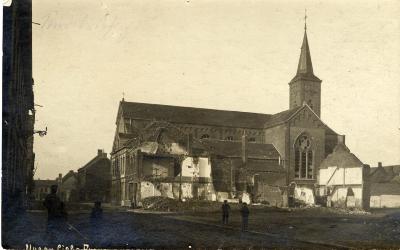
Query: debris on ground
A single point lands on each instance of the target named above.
(160, 203)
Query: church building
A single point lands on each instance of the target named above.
(277, 151)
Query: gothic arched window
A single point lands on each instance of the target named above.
(303, 158)
(229, 138)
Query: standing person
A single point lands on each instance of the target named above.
(245, 216)
(225, 212)
(53, 204)
(96, 217)
(61, 223)
(97, 212)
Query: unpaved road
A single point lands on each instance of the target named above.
(133, 230)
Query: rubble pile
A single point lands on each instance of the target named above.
(353, 211)
(160, 203)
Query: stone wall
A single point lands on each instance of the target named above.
(271, 195)
(385, 201)
(190, 190)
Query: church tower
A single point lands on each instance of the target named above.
(305, 87)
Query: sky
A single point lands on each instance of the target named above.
(227, 54)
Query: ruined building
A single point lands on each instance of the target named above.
(215, 154)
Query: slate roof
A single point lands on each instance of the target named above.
(284, 116)
(69, 174)
(393, 169)
(234, 149)
(305, 69)
(93, 161)
(191, 115)
(281, 117)
(396, 179)
(379, 175)
(389, 188)
(341, 157)
(385, 173)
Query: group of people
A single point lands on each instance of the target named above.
(57, 216)
(244, 211)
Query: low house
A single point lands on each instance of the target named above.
(42, 188)
(68, 187)
(343, 179)
(94, 179)
(385, 186)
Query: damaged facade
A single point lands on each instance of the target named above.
(190, 152)
(164, 161)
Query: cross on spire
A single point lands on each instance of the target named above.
(305, 19)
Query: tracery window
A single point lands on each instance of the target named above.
(304, 158)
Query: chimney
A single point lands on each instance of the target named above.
(379, 164)
(99, 152)
(59, 179)
(342, 139)
(244, 147)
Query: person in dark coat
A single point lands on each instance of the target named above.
(96, 217)
(97, 212)
(244, 211)
(225, 212)
(53, 205)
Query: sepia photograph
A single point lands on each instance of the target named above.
(200, 124)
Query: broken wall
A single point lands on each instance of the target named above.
(346, 197)
(304, 195)
(268, 194)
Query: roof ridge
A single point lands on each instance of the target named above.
(191, 107)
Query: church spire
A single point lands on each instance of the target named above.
(305, 87)
(305, 65)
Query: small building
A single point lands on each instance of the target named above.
(385, 186)
(68, 187)
(385, 195)
(343, 179)
(94, 179)
(42, 188)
